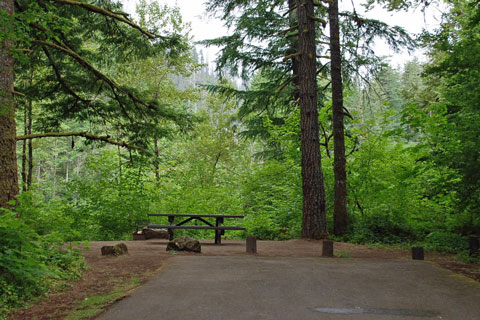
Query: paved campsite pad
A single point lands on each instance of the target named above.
(247, 287)
(145, 258)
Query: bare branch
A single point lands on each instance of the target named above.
(290, 56)
(80, 134)
(319, 20)
(290, 10)
(288, 30)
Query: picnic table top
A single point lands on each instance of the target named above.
(193, 215)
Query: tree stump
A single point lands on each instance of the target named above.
(251, 244)
(417, 253)
(139, 235)
(327, 248)
(155, 234)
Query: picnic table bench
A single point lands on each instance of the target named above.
(218, 227)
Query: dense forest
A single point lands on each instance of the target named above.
(301, 128)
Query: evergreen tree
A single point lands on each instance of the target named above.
(340, 214)
(256, 45)
(8, 159)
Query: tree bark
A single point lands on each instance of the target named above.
(156, 161)
(8, 157)
(24, 150)
(340, 214)
(30, 143)
(314, 224)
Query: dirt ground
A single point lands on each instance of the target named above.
(145, 259)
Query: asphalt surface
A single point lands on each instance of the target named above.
(249, 287)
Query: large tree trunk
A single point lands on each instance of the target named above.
(340, 214)
(314, 224)
(8, 157)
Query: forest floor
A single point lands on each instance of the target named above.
(109, 279)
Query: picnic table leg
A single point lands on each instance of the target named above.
(171, 220)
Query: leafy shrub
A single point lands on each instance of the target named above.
(272, 198)
(262, 226)
(31, 263)
(445, 241)
(466, 257)
(382, 228)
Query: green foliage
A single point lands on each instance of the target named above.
(466, 257)
(445, 241)
(106, 201)
(382, 229)
(31, 263)
(272, 201)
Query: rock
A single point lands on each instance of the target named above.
(155, 234)
(115, 250)
(184, 244)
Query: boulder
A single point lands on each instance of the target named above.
(155, 234)
(115, 250)
(184, 244)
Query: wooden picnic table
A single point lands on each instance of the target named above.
(218, 227)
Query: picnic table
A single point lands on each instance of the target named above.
(218, 226)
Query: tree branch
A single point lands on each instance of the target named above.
(290, 56)
(288, 30)
(319, 20)
(60, 79)
(120, 17)
(283, 86)
(86, 135)
(92, 69)
(290, 10)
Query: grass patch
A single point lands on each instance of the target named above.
(342, 254)
(95, 304)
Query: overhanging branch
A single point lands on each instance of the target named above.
(117, 16)
(84, 134)
(92, 69)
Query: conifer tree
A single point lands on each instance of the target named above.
(340, 213)
(264, 41)
(8, 157)
(314, 224)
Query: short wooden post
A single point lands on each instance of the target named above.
(417, 253)
(251, 244)
(327, 249)
(474, 245)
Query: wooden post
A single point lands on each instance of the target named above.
(474, 245)
(251, 244)
(327, 250)
(417, 253)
